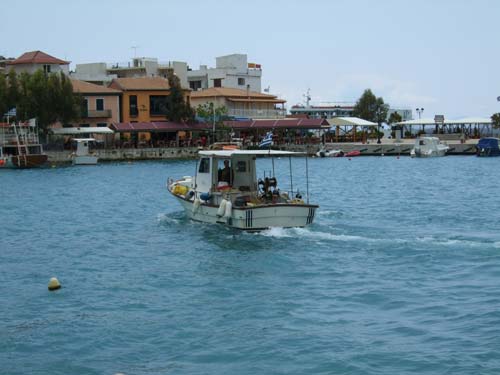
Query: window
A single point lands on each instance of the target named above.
(241, 81)
(133, 105)
(217, 82)
(84, 125)
(102, 125)
(158, 105)
(85, 108)
(195, 85)
(204, 165)
(99, 104)
(46, 68)
(241, 166)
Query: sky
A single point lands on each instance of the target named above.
(440, 55)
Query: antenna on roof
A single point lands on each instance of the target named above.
(267, 89)
(135, 50)
(308, 97)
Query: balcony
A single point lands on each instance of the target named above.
(105, 113)
(258, 113)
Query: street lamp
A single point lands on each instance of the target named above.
(419, 111)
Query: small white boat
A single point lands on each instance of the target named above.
(426, 147)
(234, 197)
(322, 153)
(83, 155)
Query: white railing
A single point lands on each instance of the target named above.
(258, 113)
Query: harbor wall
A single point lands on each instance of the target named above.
(371, 149)
(130, 154)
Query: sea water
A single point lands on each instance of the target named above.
(399, 274)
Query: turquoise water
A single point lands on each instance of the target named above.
(399, 274)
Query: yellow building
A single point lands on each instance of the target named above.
(144, 99)
(241, 103)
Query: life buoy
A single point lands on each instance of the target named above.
(2, 162)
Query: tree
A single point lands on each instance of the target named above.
(371, 108)
(208, 113)
(178, 109)
(495, 120)
(48, 98)
(13, 90)
(394, 118)
(3, 96)
(213, 115)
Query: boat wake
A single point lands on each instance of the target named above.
(171, 218)
(315, 235)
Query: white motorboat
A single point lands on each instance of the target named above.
(83, 155)
(323, 153)
(429, 147)
(234, 197)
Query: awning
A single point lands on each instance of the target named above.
(157, 126)
(77, 131)
(289, 123)
(350, 121)
(466, 120)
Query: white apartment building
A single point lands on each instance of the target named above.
(103, 73)
(231, 71)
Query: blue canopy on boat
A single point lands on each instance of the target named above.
(488, 143)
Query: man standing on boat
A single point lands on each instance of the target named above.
(225, 173)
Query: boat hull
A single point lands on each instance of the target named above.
(85, 160)
(429, 154)
(253, 218)
(23, 161)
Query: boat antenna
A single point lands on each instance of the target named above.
(307, 180)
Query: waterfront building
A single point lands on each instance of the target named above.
(144, 99)
(241, 103)
(139, 67)
(339, 110)
(30, 62)
(100, 105)
(231, 71)
(324, 111)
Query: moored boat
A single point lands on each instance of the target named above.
(488, 147)
(20, 146)
(323, 153)
(426, 147)
(83, 155)
(233, 196)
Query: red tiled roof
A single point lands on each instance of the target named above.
(90, 88)
(37, 57)
(140, 83)
(157, 126)
(289, 123)
(230, 93)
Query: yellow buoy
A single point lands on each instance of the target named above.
(54, 284)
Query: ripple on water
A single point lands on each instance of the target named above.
(396, 275)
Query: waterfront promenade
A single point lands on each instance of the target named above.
(387, 147)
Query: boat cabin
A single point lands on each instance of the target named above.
(83, 146)
(233, 173)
